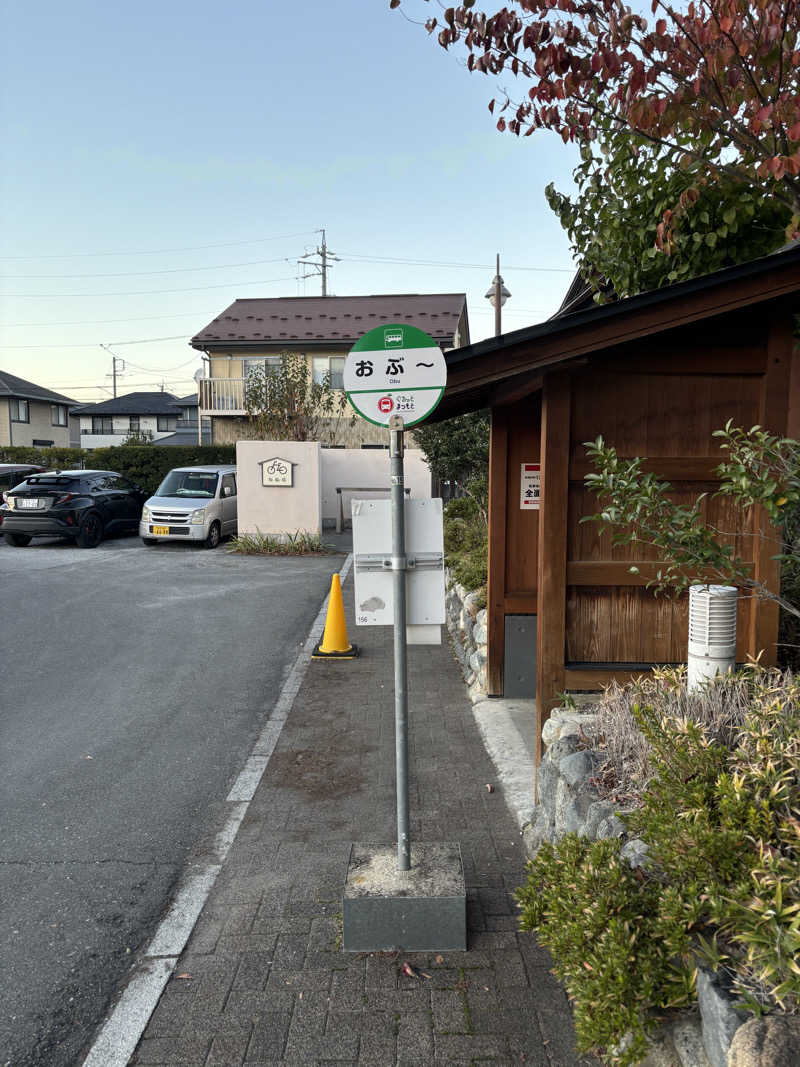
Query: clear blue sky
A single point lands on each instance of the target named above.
(160, 160)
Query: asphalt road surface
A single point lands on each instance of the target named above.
(133, 683)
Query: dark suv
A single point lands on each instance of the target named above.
(12, 474)
(81, 505)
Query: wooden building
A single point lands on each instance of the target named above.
(655, 375)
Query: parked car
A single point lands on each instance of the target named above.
(11, 474)
(81, 505)
(192, 504)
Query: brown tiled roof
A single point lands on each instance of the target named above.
(340, 320)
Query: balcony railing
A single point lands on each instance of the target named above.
(222, 396)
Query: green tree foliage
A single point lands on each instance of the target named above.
(625, 185)
(759, 468)
(284, 403)
(466, 542)
(457, 450)
(716, 84)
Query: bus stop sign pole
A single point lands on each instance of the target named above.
(399, 566)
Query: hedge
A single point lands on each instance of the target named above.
(144, 464)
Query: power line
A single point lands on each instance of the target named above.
(95, 322)
(143, 273)
(163, 251)
(93, 344)
(164, 370)
(358, 257)
(136, 385)
(142, 292)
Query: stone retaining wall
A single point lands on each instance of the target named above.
(466, 622)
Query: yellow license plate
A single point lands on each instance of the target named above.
(161, 531)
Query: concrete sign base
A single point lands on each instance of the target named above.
(420, 910)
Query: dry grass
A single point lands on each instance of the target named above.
(721, 707)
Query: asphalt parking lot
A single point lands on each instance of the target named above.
(134, 682)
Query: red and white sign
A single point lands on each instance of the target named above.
(385, 405)
(530, 486)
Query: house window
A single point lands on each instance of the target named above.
(133, 424)
(166, 423)
(19, 411)
(333, 365)
(102, 424)
(262, 363)
(58, 415)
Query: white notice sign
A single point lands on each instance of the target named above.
(530, 486)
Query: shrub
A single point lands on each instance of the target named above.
(52, 458)
(148, 464)
(300, 543)
(619, 952)
(723, 824)
(144, 464)
(466, 542)
(789, 628)
(625, 752)
(719, 784)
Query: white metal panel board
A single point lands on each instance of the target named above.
(372, 536)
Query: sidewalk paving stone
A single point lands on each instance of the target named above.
(268, 981)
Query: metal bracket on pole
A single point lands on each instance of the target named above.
(377, 561)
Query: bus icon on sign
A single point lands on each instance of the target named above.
(392, 338)
(385, 405)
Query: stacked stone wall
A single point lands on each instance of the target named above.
(466, 623)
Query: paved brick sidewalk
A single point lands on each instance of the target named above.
(269, 983)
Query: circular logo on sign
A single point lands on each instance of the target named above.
(385, 404)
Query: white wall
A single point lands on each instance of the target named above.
(277, 510)
(121, 425)
(367, 467)
(312, 501)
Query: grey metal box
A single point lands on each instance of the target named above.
(519, 672)
(420, 910)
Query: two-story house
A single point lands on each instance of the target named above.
(161, 418)
(34, 416)
(254, 332)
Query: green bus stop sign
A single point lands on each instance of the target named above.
(395, 369)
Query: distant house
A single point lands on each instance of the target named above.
(158, 417)
(186, 431)
(34, 416)
(254, 332)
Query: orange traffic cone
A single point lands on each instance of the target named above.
(334, 643)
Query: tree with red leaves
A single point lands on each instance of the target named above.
(715, 85)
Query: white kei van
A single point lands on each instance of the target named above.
(192, 504)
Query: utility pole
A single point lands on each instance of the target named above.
(321, 267)
(114, 361)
